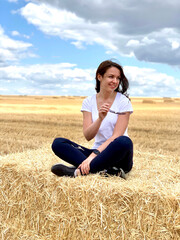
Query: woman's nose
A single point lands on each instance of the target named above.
(115, 80)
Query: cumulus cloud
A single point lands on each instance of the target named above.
(68, 79)
(48, 79)
(148, 30)
(68, 25)
(165, 48)
(17, 34)
(149, 82)
(13, 50)
(132, 16)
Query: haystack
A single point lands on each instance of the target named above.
(149, 101)
(36, 204)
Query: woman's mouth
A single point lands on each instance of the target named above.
(113, 86)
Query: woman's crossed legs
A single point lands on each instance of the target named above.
(119, 154)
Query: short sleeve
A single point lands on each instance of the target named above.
(86, 105)
(125, 105)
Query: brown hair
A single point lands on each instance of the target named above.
(103, 67)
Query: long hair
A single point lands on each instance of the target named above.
(103, 67)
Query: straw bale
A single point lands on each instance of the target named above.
(36, 204)
(148, 101)
(168, 100)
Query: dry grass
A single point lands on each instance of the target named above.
(38, 205)
(29, 131)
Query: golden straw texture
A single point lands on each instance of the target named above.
(37, 205)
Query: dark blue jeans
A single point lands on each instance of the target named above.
(118, 153)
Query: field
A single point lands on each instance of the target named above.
(36, 205)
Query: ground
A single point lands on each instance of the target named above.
(35, 204)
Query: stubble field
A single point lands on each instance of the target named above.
(38, 205)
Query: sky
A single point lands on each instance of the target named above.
(53, 47)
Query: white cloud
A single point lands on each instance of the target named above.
(125, 29)
(68, 25)
(133, 43)
(175, 44)
(4, 90)
(48, 79)
(147, 41)
(68, 79)
(129, 28)
(149, 82)
(15, 33)
(78, 44)
(13, 50)
(139, 43)
(132, 16)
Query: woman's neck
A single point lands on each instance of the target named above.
(106, 95)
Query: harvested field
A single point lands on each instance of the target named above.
(38, 205)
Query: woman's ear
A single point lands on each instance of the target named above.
(99, 77)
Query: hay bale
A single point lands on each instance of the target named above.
(168, 100)
(39, 98)
(36, 204)
(149, 101)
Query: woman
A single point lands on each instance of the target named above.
(105, 118)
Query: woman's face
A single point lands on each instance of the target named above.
(110, 80)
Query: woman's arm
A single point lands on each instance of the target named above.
(91, 128)
(119, 130)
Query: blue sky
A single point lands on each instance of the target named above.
(53, 47)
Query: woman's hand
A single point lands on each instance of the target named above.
(103, 110)
(85, 166)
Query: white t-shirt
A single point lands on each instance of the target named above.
(120, 104)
